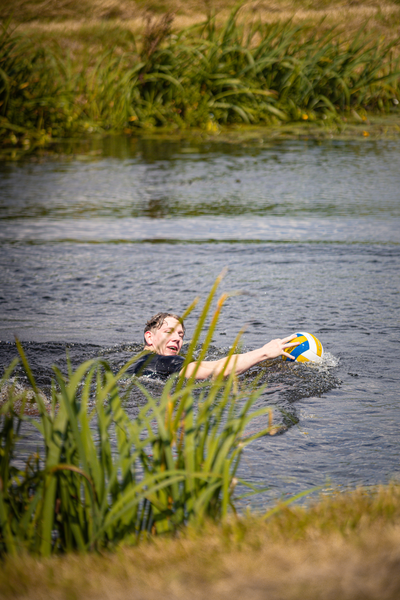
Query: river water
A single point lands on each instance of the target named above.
(94, 243)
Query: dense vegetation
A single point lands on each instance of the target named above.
(202, 77)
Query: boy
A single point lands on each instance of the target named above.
(163, 336)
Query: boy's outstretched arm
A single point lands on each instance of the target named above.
(239, 363)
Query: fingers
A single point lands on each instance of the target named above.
(289, 337)
(287, 343)
(277, 347)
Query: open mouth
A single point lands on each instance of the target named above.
(173, 348)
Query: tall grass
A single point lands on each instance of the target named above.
(203, 77)
(103, 477)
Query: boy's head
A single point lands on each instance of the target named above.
(164, 334)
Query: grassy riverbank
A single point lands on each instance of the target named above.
(63, 78)
(346, 546)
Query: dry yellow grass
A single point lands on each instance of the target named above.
(65, 17)
(346, 547)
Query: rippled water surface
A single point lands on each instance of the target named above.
(92, 245)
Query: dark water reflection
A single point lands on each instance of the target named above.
(161, 181)
(92, 245)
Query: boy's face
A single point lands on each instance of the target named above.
(167, 340)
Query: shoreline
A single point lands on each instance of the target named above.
(372, 129)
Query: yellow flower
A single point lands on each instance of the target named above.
(365, 133)
(212, 127)
(305, 117)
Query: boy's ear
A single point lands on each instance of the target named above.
(148, 336)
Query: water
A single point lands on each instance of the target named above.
(92, 245)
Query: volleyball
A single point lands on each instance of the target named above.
(309, 349)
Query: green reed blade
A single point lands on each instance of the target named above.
(28, 523)
(204, 500)
(5, 529)
(225, 488)
(67, 394)
(281, 505)
(135, 495)
(255, 489)
(163, 76)
(212, 326)
(6, 376)
(29, 374)
(89, 448)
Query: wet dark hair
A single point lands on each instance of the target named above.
(157, 321)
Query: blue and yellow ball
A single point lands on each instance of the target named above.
(309, 349)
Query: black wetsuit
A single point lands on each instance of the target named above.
(156, 365)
